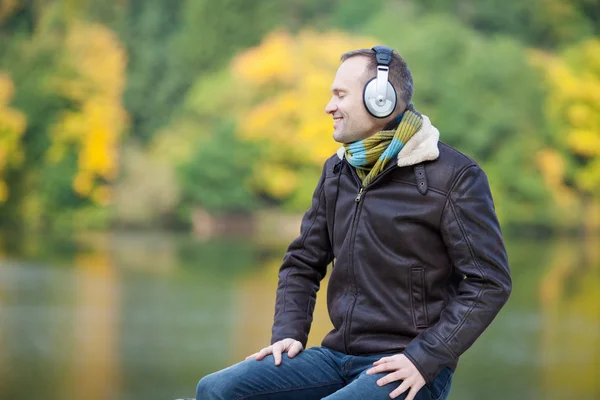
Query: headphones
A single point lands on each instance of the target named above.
(379, 95)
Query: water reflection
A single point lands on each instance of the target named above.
(255, 306)
(144, 316)
(94, 358)
(570, 307)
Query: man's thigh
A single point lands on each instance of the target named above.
(312, 374)
(365, 387)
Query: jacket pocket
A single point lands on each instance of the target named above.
(418, 300)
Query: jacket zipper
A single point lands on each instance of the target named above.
(353, 284)
(359, 195)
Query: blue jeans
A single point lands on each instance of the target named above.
(315, 373)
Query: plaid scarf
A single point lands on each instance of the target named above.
(370, 156)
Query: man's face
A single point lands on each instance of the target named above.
(352, 121)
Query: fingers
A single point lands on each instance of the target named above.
(388, 366)
(383, 360)
(261, 354)
(400, 389)
(413, 392)
(402, 369)
(277, 348)
(294, 349)
(414, 384)
(394, 376)
(291, 346)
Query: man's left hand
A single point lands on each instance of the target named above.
(403, 370)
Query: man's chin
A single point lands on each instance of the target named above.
(338, 136)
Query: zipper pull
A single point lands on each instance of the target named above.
(359, 195)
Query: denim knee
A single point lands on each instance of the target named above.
(213, 387)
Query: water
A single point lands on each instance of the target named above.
(144, 316)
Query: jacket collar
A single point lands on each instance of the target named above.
(423, 146)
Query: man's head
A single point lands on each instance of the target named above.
(352, 120)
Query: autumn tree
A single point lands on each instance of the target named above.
(571, 162)
(68, 76)
(95, 127)
(289, 78)
(12, 127)
(484, 97)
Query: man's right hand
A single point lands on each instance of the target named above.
(291, 346)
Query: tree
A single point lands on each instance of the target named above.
(95, 127)
(170, 44)
(217, 175)
(12, 127)
(69, 77)
(571, 162)
(541, 23)
(288, 79)
(30, 51)
(485, 99)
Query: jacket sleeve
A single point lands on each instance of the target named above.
(304, 266)
(471, 232)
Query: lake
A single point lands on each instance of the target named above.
(146, 315)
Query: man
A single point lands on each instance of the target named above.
(419, 269)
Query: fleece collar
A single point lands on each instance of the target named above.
(423, 146)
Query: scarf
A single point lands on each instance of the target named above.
(370, 156)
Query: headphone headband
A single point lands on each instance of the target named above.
(383, 54)
(379, 95)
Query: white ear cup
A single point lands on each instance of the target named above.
(378, 105)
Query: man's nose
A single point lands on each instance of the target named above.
(331, 107)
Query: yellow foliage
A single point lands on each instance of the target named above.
(290, 77)
(102, 195)
(585, 142)
(271, 62)
(579, 115)
(3, 192)
(588, 179)
(573, 105)
(83, 183)
(276, 180)
(552, 166)
(12, 128)
(95, 129)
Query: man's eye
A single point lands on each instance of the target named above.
(341, 96)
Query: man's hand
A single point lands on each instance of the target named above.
(291, 346)
(403, 370)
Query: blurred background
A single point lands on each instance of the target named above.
(156, 157)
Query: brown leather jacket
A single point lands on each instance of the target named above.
(420, 265)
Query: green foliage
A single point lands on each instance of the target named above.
(471, 60)
(545, 23)
(216, 177)
(151, 91)
(171, 43)
(50, 75)
(32, 61)
(483, 96)
(352, 14)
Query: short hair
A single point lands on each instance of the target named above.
(399, 75)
